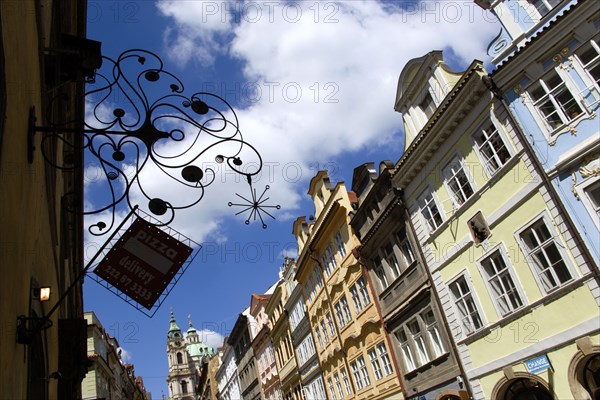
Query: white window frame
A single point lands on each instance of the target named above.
(373, 357)
(423, 203)
(380, 273)
(331, 388)
(356, 374)
(547, 4)
(490, 132)
(346, 381)
(451, 177)
(360, 294)
(324, 328)
(418, 340)
(362, 365)
(556, 241)
(380, 361)
(433, 332)
(338, 384)
(473, 294)
(341, 246)
(584, 72)
(389, 255)
(331, 326)
(586, 198)
(405, 246)
(501, 283)
(551, 95)
(408, 358)
(384, 356)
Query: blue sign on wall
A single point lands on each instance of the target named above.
(537, 364)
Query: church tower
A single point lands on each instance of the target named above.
(182, 378)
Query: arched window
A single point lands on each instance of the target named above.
(526, 389)
(184, 388)
(591, 376)
(179, 358)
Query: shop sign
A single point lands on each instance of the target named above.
(537, 364)
(143, 262)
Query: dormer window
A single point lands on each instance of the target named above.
(427, 106)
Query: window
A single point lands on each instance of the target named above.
(543, 7)
(467, 309)
(385, 359)
(184, 387)
(429, 210)
(417, 336)
(501, 284)
(553, 101)
(325, 334)
(340, 245)
(297, 314)
(380, 361)
(360, 373)
(314, 390)
(407, 356)
(338, 385)
(328, 260)
(457, 182)
(589, 57)
(331, 327)
(363, 290)
(592, 192)
(360, 294)
(363, 370)
(491, 149)
(346, 381)
(306, 349)
(543, 252)
(380, 273)
(331, 389)
(405, 247)
(391, 260)
(318, 334)
(342, 312)
(318, 279)
(432, 332)
(179, 358)
(427, 106)
(375, 363)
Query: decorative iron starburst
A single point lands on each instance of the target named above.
(255, 206)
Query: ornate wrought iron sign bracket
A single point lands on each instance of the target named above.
(134, 135)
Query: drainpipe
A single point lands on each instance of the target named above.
(539, 169)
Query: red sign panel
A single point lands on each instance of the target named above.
(143, 262)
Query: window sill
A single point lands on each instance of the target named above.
(436, 361)
(569, 127)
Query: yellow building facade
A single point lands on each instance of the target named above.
(351, 344)
(41, 243)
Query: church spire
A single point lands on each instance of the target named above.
(174, 331)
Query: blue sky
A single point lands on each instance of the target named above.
(313, 85)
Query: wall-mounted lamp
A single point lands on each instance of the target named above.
(44, 294)
(41, 293)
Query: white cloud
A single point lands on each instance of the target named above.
(211, 338)
(321, 81)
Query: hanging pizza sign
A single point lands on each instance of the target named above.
(143, 262)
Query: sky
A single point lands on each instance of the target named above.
(313, 85)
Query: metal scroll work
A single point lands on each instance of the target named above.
(135, 135)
